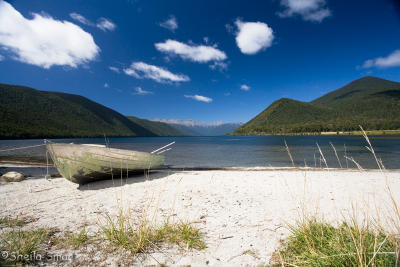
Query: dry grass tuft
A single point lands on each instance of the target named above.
(315, 242)
(8, 222)
(19, 245)
(78, 240)
(141, 236)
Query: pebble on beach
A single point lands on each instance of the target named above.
(12, 177)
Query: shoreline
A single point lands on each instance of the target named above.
(236, 211)
(370, 133)
(329, 133)
(19, 164)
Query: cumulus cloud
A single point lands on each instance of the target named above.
(114, 69)
(140, 91)
(105, 24)
(200, 98)
(1, 57)
(245, 87)
(196, 53)
(170, 24)
(44, 41)
(143, 70)
(106, 85)
(253, 37)
(311, 10)
(392, 60)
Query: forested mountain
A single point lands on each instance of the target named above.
(157, 128)
(29, 113)
(371, 102)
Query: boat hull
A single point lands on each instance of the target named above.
(83, 164)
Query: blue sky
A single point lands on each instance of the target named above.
(202, 60)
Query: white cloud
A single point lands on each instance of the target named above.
(80, 18)
(229, 28)
(221, 66)
(105, 24)
(392, 60)
(253, 37)
(196, 53)
(114, 69)
(170, 24)
(44, 41)
(1, 57)
(311, 10)
(245, 87)
(143, 70)
(200, 98)
(140, 91)
(106, 85)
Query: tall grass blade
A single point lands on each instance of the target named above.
(290, 154)
(322, 155)
(334, 149)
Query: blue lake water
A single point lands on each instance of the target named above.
(244, 151)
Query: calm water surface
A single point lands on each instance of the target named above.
(244, 151)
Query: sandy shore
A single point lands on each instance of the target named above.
(237, 211)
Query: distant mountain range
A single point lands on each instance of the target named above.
(371, 102)
(194, 128)
(29, 113)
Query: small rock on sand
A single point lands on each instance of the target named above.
(12, 177)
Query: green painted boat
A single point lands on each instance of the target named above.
(83, 164)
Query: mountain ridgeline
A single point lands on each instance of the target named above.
(371, 102)
(192, 128)
(158, 128)
(29, 113)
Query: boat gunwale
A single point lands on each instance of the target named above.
(113, 152)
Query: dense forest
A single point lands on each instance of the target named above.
(371, 102)
(156, 127)
(29, 113)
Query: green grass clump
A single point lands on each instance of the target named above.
(183, 234)
(142, 236)
(316, 243)
(78, 240)
(20, 244)
(12, 222)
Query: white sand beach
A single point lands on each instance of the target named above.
(242, 215)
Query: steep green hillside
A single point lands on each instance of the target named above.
(156, 127)
(30, 113)
(371, 102)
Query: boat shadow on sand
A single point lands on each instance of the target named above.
(131, 179)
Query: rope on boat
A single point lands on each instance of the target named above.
(23, 147)
(165, 150)
(170, 144)
(45, 141)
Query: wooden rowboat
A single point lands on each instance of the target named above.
(87, 163)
